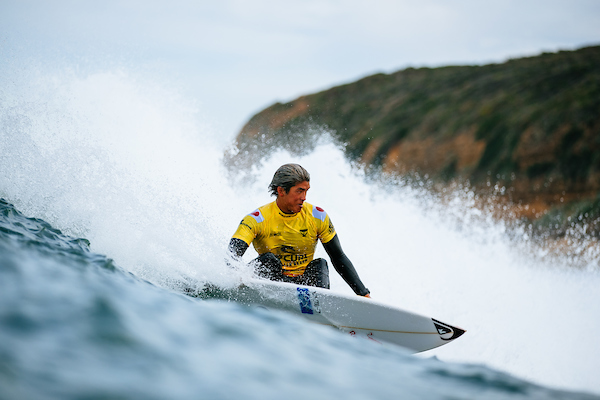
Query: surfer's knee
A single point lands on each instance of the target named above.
(267, 265)
(317, 273)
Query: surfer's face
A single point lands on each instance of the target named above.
(292, 201)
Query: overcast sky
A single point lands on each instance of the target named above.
(237, 57)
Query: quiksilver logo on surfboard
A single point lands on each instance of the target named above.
(446, 331)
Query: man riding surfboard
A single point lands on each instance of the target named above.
(285, 233)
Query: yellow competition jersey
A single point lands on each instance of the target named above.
(291, 237)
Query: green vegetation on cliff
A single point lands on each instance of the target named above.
(532, 124)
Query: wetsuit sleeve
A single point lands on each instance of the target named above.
(344, 267)
(237, 247)
(243, 236)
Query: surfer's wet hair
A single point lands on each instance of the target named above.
(287, 176)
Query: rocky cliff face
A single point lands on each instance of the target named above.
(531, 125)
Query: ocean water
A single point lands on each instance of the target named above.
(115, 198)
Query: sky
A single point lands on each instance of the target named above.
(234, 58)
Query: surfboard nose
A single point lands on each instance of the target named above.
(447, 332)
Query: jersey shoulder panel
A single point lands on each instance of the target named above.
(325, 228)
(319, 213)
(249, 227)
(257, 215)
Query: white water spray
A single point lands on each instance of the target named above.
(132, 168)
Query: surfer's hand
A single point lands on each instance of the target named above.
(367, 295)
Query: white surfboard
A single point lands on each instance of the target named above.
(356, 315)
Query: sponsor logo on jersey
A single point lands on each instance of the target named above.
(286, 249)
(304, 232)
(288, 257)
(245, 224)
(293, 259)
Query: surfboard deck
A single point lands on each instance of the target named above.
(359, 316)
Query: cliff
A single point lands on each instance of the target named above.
(530, 125)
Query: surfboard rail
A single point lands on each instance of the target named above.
(356, 315)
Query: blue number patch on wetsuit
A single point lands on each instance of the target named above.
(304, 297)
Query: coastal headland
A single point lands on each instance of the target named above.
(525, 132)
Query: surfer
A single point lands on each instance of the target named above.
(285, 234)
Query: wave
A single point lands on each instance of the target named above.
(75, 325)
(128, 166)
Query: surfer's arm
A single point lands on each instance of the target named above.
(237, 247)
(344, 266)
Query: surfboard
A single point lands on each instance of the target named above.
(356, 315)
